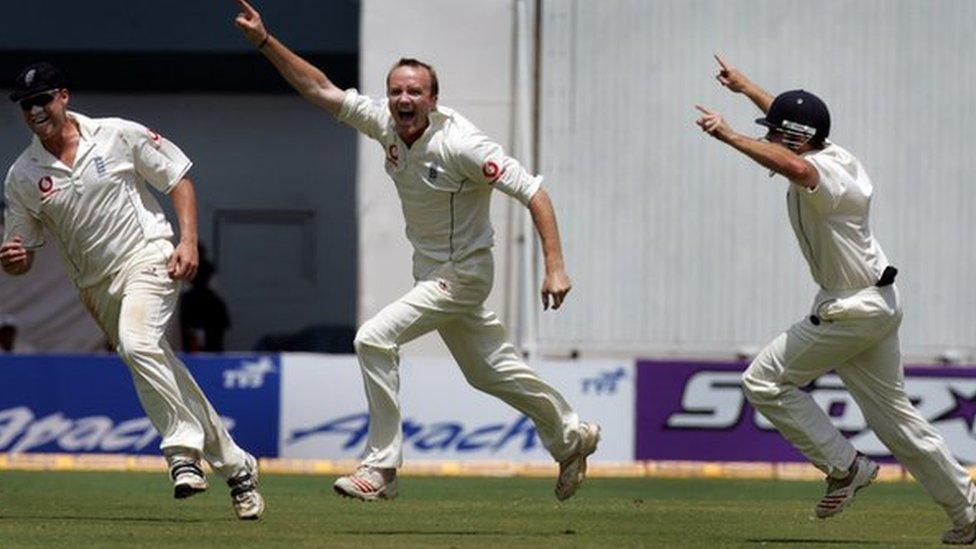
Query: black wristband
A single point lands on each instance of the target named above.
(264, 42)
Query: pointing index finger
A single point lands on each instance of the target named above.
(246, 7)
(721, 62)
(703, 109)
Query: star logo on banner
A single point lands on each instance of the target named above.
(964, 408)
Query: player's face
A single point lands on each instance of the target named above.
(778, 138)
(797, 145)
(46, 113)
(410, 100)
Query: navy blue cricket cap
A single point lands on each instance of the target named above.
(36, 78)
(797, 108)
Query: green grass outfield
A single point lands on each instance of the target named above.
(94, 510)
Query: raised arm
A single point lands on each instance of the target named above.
(770, 155)
(735, 81)
(556, 284)
(308, 80)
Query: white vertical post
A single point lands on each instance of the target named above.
(523, 147)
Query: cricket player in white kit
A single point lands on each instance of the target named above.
(853, 323)
(444, 170)
(85, 181)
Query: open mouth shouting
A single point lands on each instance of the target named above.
(406, 117)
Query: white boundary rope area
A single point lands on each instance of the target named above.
(638, 469)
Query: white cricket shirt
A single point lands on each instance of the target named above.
(99, 210)
(444, 179)
(831, 222)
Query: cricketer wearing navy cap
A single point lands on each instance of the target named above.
(852, 327)
(86, 183)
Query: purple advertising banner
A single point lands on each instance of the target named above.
(697, 411)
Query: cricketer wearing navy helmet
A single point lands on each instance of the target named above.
(852, 325)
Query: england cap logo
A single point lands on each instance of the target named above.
(37, 78)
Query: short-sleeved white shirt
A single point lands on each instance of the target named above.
(831, 222)
(444, 179)
(99, 210)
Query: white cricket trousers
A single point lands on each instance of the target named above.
(133, 308)
(449, 297)
(858, 337)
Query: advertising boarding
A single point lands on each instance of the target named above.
(697, 411)
(324, 413)
(87, 404)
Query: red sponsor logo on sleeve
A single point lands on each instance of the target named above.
(155, 137)
(491, 171)
(45, 184)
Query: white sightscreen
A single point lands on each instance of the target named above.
(679, 245)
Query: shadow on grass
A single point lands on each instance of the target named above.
(794, 541)
(7, 518)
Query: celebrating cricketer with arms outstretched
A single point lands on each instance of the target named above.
(444, 170)
(853, 324)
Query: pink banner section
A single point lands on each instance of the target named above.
(697, 411)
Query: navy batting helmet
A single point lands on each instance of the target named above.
(800, 116)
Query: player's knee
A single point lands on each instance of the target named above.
(481, 383)
(498, 377)
(133, 348)
(368, 338)
(754, 385)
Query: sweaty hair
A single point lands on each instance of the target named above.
(417, 64)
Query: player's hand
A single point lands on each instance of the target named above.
(183, 263)
(712, 123)
(249, 21)
(554, 288)
(14, 257)
(730, 77)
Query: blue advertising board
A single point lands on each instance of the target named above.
(87, 404)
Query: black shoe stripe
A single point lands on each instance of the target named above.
(181, 468)
(241, 484)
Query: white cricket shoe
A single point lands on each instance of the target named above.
(572, 470)
(368, 484)
(840, 492)
(188, 477)
(961, 535)
(248, 503)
